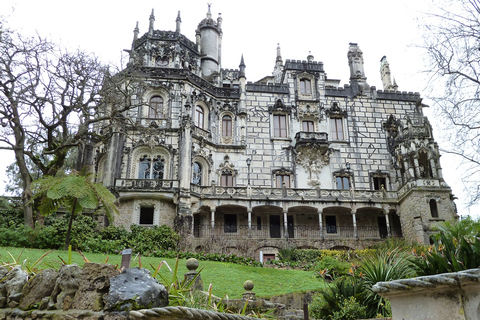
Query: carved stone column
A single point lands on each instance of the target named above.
(354, 220)
(320, 223)
(285, 223)
(249, 223)
(212, 220)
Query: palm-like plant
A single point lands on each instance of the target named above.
(384, 265)
(74, 192)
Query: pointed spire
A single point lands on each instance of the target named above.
(209, 13)
(178, 21)
(135, 32)
(279, 55)
(150, 27)
(219, 21)
(242, 68)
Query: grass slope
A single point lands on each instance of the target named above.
(226, 278)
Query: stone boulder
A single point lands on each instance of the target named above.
(11, 287)
(37, 288)
(94, 284)
(135, 289)
(3, 290)
(65, 288)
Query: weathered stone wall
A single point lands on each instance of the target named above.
(448, 296)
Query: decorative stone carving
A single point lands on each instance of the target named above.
(280, 106)
(313, 158)
(335, 109)
(226, 167)
(308, 110)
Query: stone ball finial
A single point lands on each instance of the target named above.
(192, 264)
(248, 285)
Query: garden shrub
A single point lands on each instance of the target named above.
(330, 267)
(12, 235)
(336, 302)
(307, 255)
(153, 239)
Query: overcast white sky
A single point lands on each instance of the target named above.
(252, 28)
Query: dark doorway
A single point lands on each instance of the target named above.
(275, 226)
(196, 227)
(382, 227)
(290, 228)
(331, 224)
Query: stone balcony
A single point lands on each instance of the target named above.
(304, 138)
(257, 193)
(295, 194)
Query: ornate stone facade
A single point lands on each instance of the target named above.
(292, 157)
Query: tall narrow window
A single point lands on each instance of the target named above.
(199, 117)
(378, 182)
(305, 86)
(336, 128)
(282, 180)
(197, 174)
(280, 125)
(226, 180)
(155, 109)
(433, 208)
(227, 126)
(151, 168)
(343, 183)
(308, 126)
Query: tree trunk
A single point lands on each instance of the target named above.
(27, 187)
(69, 230)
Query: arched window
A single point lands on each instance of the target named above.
(151, 168)
(155, 109)
(343, 182)
(227, 126)
(305, 86)
(199, 116)
(197, 174)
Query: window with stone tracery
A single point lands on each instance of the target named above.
(197, 174)
(151, 167)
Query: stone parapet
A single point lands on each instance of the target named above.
(447, 296)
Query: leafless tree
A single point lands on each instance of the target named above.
(51, 101)
(452, 41)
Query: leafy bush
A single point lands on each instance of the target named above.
(456, 247)
(329, 267)
(307, 255)
(153, 239)
(12, 235)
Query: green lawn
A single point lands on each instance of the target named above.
(227, 278)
